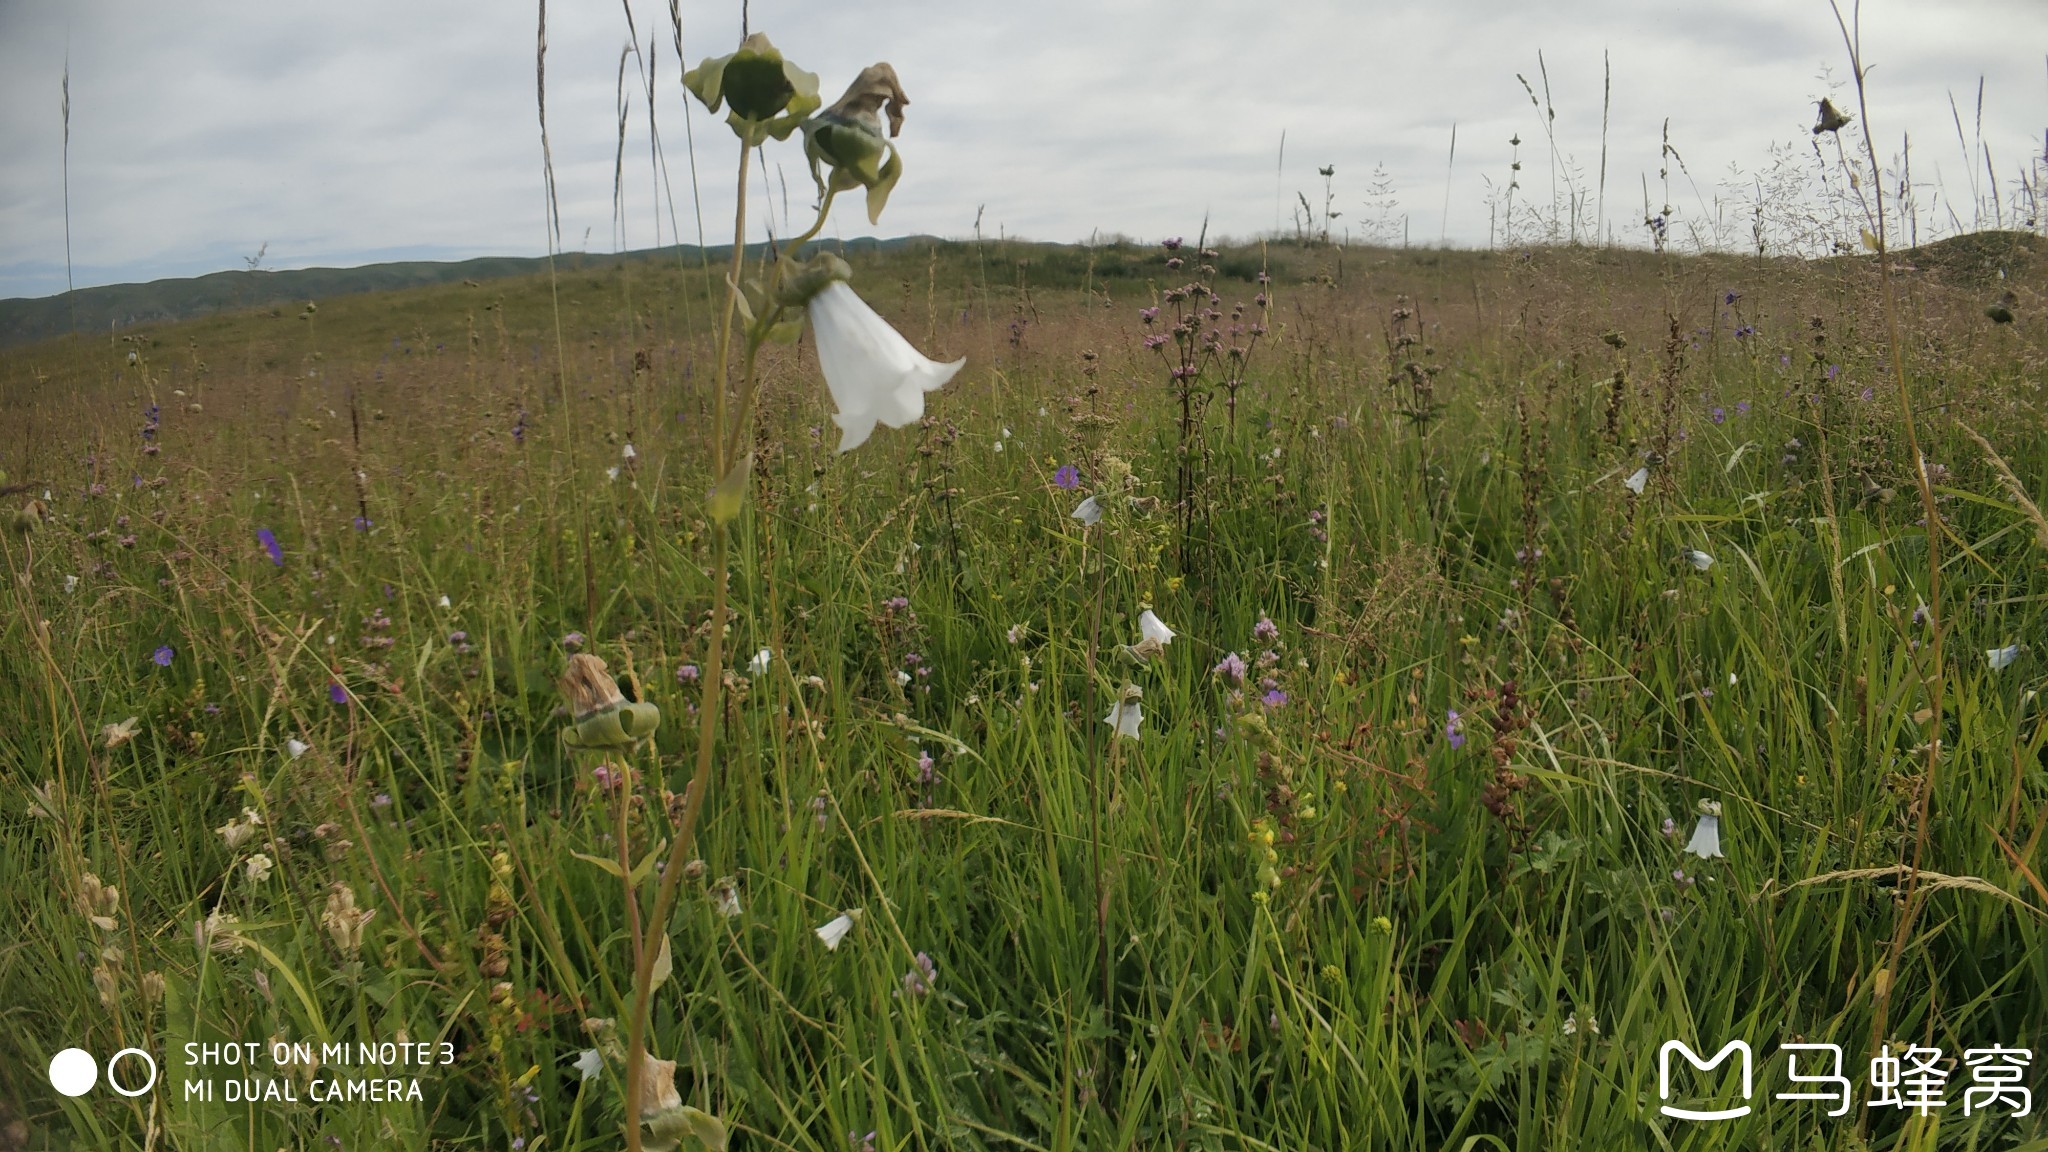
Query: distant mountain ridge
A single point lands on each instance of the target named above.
(25, 320)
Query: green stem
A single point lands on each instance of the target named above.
(707, 728)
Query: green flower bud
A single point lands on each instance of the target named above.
(769, 96)
(848, 138)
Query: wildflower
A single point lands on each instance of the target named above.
(769, 95)
(834, 930)
(1265, 631)
(1017, 633)
(759, 664)
(1125, 717)
(1636, 480)
(848, 138)
(918, 981)
(1231, 668)
(1154, 629)
(602, 716)
(2000, 657)
(336, 692)
(1274, 698)
(268, 539)
(258, 868)
(589, 1064)
(873, 373)
(164, 655)
(1454, 728)
(1698, 559)
(612, 473)
(927, 770)
(687, 674)
(1148, 315)
(1088, 512)
(629, 454)
(1720, 415)
(1068, 477)
(238, 832)
(607, 777)
(725, 896)
(70, 584)
(116, 735)
(296, 748)
(1706, 836)
(445, 602)
(902, 678)
(1670, 828)
(343, 920)
(381, 800)
(573, 641)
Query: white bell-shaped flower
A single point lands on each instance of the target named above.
(759, 664)
(1706, 836)
(1154, 628)
(1125, 717)
(1698, 559)
(1636, 480)
(1088, 512)
(874, 374)
(2000, 657)
(589, 1064)
(835, 929)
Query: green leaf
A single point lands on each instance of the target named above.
(878, 192)
(611, 866)
(788, 331)
(663, 965)
(731, 491)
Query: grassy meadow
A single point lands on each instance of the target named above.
(1399, 856)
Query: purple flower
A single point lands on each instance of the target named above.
(687, 674)
(1731, 297)
(1171, 243)
(1741, 407)
(336, 692)
(1148, 315)
(607, 777)
(268, 539)
(573, 641)
(1274, 698)
(381, 800)
(1454, 728)
(164, 656)
(1265, 631)
(1068, 477)
(362, 523)
(918, 981)
(927, 771)
(1864, 395)
(1232, 667)
(1720, 415)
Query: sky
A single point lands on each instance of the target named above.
(205, 131)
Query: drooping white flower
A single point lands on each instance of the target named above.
(445, 602)
(296, 748)
(258, 867)
(70, 584)
(834, 930)
(725, 896)
(1125, 717)
(875, 376)
(1636, 480)
(2000, 657)
(1698, 559)
(629, 454)
(1153, 628)
(589, 1063)
(759, 664)
(902, 678)
(612, 473)
(1706, 836)
(1088, 512)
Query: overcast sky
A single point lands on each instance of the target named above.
(347, 133)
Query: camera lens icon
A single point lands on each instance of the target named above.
(74, 1072)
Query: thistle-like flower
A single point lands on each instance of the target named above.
(874, 374)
